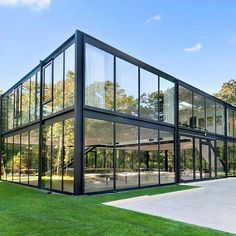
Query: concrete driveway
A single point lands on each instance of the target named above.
(213, 205)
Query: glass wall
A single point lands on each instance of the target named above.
(58, 82)
(230, 122)
(186, 158)
(220, 119)
(220, 159)
(99, 78)
(167, 157)
(58, 156)
(99, 172)
(126, 87)
(185, 107)
(231, 154)
(199, 112)
(20, 158)
(210, 115)
(149, 157)
(167, 101)
(127, 156)
(138, 92)
(148, 95)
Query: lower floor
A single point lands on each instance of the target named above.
(117, 155)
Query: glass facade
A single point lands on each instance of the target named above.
(92, 119)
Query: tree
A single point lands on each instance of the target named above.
(228, 92)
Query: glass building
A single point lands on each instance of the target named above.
(90, 118)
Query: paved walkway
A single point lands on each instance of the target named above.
(213, 205)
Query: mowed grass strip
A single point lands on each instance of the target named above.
(25, 211)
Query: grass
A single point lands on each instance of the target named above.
(25, 211)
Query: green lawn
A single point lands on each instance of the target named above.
(25, 211)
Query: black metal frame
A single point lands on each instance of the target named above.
(80, 111)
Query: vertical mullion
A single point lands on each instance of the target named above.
(139, 180)
(194, 159)
(114, 156)
(29, 105)
(20, 158)
(114, 68)
(29, 154)
(64, 77)
(51, 155)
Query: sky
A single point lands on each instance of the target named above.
(193, 40)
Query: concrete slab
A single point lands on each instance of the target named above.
(213, 205)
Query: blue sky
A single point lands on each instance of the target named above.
(194, 41)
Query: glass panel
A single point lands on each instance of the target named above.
(4, 160)
(127, 156)
(230, 122)
(126, 87)
(185, 107)
(198, 111)
(197, 159)
(220, 119)
(231, 156)
(10, 111)
(205, 160)
(68, 166)
(33, 157)
(24, 157)
(46, 157)
(58, 84)
(47, 109)
(32, 97)
(69, 92)
(221, 165)
(57, 156)
(99, 175)
(16, 159)
(149, 167)
(210, 115)
(212, 156)
(25, 101)
(148, 95)
(99, 78)
(47, 93)
(167, 157)
(186, 158)
(167, 102)
(234, 124)
(38, 94)
(10, 154)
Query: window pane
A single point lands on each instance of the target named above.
(126, 87)
(68, 165)
(32, 97)
(69, 76)
(167, 157)
(220, 119)
(47, 83)
(58, 84)
(24, 157)
(16, 159)
(148, 95)
(33, 157)
(10, 113)
(149, 167)
(210, 115)
(127, 156)
(46, 157)
(198, 111)
(38, 94)
(4, 160)
(98, 155)
(221, 164)
(186, 158)
(185, 107)
(231, 156)
(167, 102)
(99, 78)
(10, 154)
(230, 122)
(57, 156)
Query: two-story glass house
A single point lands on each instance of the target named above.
(90, 118)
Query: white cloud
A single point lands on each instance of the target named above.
(155, 18)
(195, 48)
(35, 4)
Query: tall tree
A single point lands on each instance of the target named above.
(227, 92)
